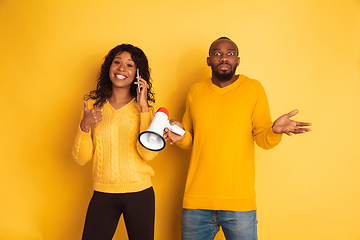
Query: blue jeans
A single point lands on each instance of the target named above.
(198, 224)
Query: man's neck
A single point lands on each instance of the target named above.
(221, 83)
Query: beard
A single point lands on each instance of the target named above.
(222, 75)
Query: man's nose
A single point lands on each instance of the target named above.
(224, 59)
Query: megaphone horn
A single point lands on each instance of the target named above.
(152, 139)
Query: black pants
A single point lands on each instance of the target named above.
(105, 209)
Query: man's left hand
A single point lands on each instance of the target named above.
(285, 125)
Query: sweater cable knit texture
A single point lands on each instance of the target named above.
(118, 159)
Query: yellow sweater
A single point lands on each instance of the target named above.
(118, 158)
(221, 125)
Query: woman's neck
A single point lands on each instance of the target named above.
(120, 98)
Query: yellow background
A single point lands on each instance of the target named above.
(306, 54)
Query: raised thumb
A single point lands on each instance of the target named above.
(86, 107)
(293, 113)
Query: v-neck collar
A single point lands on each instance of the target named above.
(123, 107)
(227, 88)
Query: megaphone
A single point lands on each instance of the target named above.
(152, 139)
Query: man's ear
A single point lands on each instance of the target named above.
(238, 61)
(208, 61)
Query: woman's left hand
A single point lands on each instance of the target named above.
(141, 91)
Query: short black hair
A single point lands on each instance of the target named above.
(226, 38)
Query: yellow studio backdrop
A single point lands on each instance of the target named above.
(305, 53)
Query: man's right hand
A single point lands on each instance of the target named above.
(90, 118)
(173, 137)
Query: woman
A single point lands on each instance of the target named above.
(118, 112)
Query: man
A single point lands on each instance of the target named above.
(224, 116)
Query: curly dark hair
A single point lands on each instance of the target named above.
(103, 89)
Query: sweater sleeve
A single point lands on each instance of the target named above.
(82, 151)
(145, 121)
(262, 124)
(187, 141)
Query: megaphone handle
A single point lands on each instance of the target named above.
(175, 128)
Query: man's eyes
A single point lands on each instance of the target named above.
(230, 54)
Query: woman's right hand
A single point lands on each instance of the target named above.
(90, 118)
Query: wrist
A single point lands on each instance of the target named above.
(144, 108)
(276, 131)
(84, 128)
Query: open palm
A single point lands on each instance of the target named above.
(285, 125)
